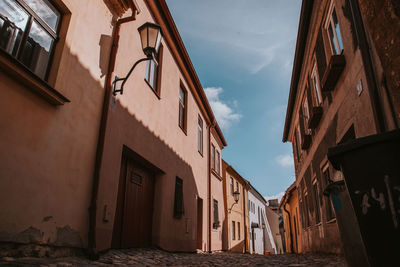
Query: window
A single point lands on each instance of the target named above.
(334, 34)
(232, 188)
(153, 71)
(216, 218)
(330, 214)
(200, 135)
(212, 156)
(233, 230)
(316, 86)
(298, 141)
(306, 111)
(182, 108)
(178, 201)
(217, 164)
(259, 221)
(238, 230)
(237, 186)
(28, 31)
(316, 201)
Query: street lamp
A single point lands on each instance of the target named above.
(150, 37)
(236, 195)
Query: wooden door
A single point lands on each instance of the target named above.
(134, 213)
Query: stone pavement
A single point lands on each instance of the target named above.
(155, 257)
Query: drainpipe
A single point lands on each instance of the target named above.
(212, 125)
(370, 72)
(92, 251)
(290, 229)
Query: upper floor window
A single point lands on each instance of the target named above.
(182, 108)
(316, 85)
(237, 186)
(28, 31)
(153, 71)
(212, 157)
(334, 34)
(298, 141)
(306, 111)
(231, 183)
(200, 135)
(217, 160)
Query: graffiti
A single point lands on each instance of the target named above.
(373, 199)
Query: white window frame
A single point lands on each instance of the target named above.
(316, 85)
(330, 22)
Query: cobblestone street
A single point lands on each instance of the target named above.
(154, 257)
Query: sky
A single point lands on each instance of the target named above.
(243, 54)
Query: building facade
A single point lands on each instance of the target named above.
(154, 150)
(339, 91)
(236, 213)
(274, 220)
(290, 206)
(260, 234)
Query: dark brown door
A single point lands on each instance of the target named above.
(133, 220)
(199, 223)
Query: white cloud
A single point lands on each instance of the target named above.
(223, 111)
(278, 196)
(265, 36)
(285, 160)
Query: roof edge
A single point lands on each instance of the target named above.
(304, 22)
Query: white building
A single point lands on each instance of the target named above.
(260, 234)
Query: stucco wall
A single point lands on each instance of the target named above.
(47, 152)
(148, 125)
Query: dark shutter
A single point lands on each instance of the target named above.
(216, 219)
(320, 54)
(178, 202)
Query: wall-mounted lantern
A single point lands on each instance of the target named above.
(150, 37)
(236, 196)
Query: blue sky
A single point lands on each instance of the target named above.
(243, 53)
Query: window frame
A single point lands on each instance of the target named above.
(53, 33)
(179, 207)
(329, 22)
(215, 214)
(212, 156)
(200, 139)
(217, 162)
(232, 187)
(238, 230)
(317, 208)
(233, 230)
(316, 84)
(329, 210)
(182, 108)
(157, 61)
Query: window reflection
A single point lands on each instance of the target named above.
(13, 20)
(46, 12)
(28, 31)
(36, 52)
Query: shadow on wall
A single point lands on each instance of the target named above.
(238, 247)
(56, 146)
(125, 131)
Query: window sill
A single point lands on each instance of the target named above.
(32, 82)
(152, 89)
(331, 221)
(216, 174)
(333, 71)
